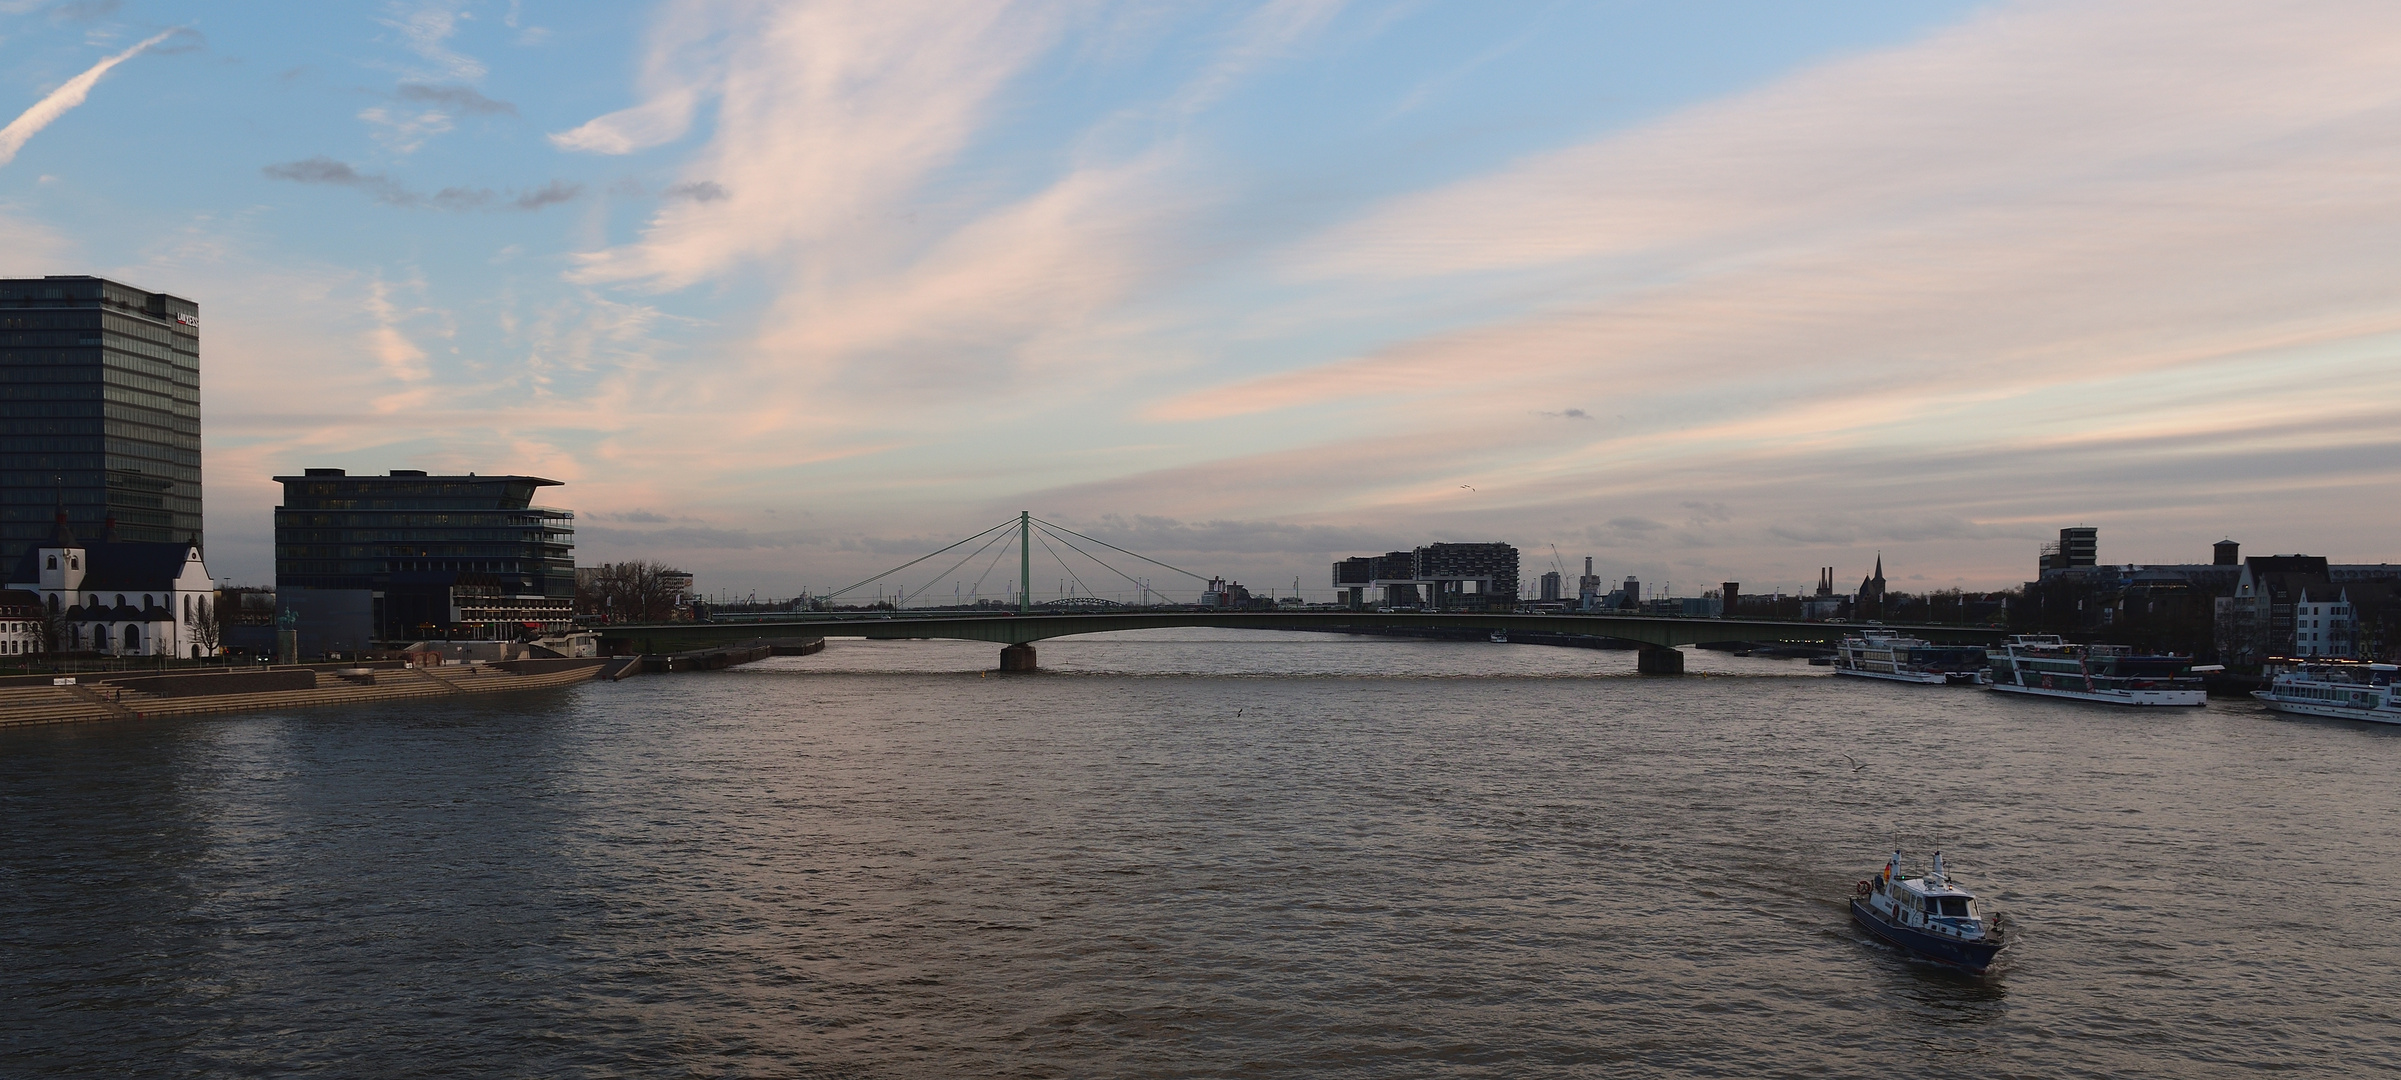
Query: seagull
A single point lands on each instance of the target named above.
(1858, 764)
(1470, 487)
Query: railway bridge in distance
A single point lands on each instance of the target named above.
(1658, 635)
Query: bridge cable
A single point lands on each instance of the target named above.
(1095, 558)
(997, 556)
(1122, 551)
(937, 579)
(1054, 553)
(919, 559)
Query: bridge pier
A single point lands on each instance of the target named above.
(1659, 660)
(1017, 658)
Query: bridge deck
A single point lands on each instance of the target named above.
(1014, 629)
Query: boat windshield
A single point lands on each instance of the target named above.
(1948, 905)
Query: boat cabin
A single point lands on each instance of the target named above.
(1928, 903)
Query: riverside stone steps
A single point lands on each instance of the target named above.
(49, 705)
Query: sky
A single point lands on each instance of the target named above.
(788, 293)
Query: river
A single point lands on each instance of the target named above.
(1194, 853)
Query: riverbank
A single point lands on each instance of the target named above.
(30, 700)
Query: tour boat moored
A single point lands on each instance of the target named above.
(1928, 916)
(2044, 666)
(2344, 689)
(1876, 654)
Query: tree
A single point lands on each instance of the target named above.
(629, 592)
(205, 629)
(51, 624)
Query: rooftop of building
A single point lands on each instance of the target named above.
(418, 475)
(111, 563)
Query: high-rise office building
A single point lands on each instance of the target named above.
(99, 412)
(438, 556)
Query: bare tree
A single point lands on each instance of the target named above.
(51, 624)
(630, 592)
(206, 631)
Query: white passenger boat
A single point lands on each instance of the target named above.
(2347, 690)
(1929, 916)
(2044, 666)
(1877, 655)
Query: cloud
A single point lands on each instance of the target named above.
(67, 96)
(424, 29)
(319, 170)
(695, 190)
(825, 112)
(662, 119)
(29, 248)
(687, 536)
(2014, 196)
(84, 11)
(403, 132)
(325, 170)
(456, 98)
(1271, 31)
(550, 194)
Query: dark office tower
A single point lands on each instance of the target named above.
(2079, 546)
(99, 412)
(438, 556)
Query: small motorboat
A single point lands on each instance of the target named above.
(1500, 637)
(1928, 916)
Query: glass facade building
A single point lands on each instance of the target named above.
(99, 412)
(445, 556)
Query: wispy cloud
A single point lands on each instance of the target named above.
(463, 99)
(84, 11)
(2038, 191)
(67, 96)
(1272, 31)
(425, 28)
(390, 192)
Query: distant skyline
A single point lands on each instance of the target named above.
(788, 292)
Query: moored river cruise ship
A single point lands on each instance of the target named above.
(1875, 654)
(2346, 690)
(2044, 666)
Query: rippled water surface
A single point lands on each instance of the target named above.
(1193, 853)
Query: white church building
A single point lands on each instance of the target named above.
(119, 598)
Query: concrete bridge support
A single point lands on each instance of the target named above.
(1020, 658)
(1659, 660)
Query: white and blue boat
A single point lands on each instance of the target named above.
(2343, 689)
(1879, 654)
(1928, 916)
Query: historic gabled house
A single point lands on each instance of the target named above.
(122, 598)
(20, 624)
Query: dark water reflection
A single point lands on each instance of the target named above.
(1194, 854)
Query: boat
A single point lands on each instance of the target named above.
(2044, 666)
(1878, 655)
(2347, 690)
(1928, 916)
(1500, 637)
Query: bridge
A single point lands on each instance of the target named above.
(1659, 635)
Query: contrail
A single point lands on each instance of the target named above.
(12, 137)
